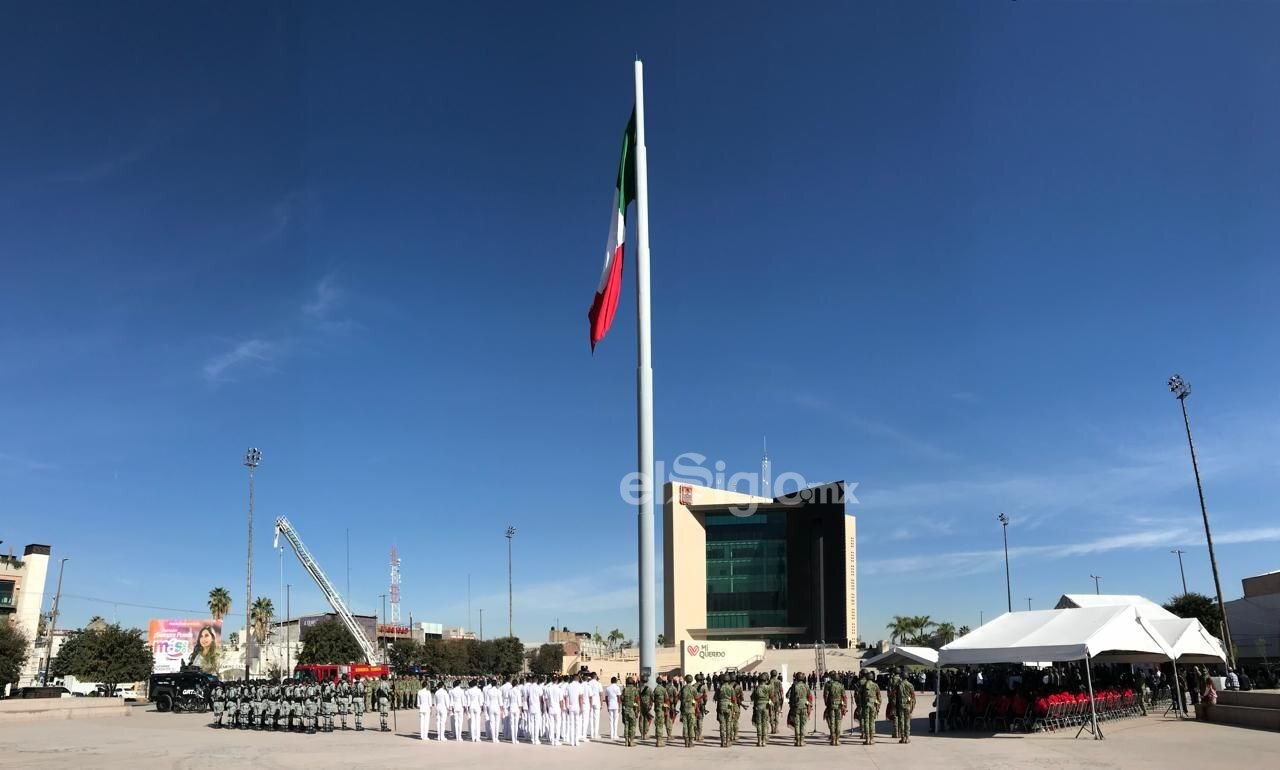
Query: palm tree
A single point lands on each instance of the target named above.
(261, 614)
(662, 640)
(219, 603)
(945, 633)
(900, 628)
(920, 625)
(615, 636)
(963, 631)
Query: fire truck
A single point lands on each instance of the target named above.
(321, 672)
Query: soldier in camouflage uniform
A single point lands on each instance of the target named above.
(646, 710)
(761, 705)
(776, 688)
(327, 706)
(689, 711)
(834, 708)
(661, 704)
(630, 710)
(673, 706)
(297, 691)
(215, 698)
(384, 702)
(724, 709)
(799, 701)
(344, 700)
(891, 701)
(273, 706)
(870, 699)
(905, 700)
(358, 703)
(704, 696)
(246, 705)
(739, 699)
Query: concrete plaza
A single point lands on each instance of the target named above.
(152, 740)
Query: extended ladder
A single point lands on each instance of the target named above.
(335, 601)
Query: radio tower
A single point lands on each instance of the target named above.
(764, 470)
(395, 587)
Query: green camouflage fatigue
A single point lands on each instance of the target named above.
(630, 711)
(891, 705)
(724, 711)
(799, 708)
(661, 703)
(689, 711)
(870, 708)
(384, 703)
(737, 710)
(358, 704)
(834, 708)
(776, 689)
(904, 699)
(704, 696)
(761, 705)
(646, 710)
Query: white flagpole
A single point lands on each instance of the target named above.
(644, 394)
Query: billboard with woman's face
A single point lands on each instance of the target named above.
(178, 643)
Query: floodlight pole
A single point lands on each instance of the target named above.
(1008, 588)
(1096, 578)
(1181, 389)
(1181, 571)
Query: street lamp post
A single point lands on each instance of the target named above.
(511, 531)
(288, 646)
(1008, 588)
(1096, 578)
(252, 459)
(1028, 604)
(1181, 389)
(53, 621)
(1181, 572)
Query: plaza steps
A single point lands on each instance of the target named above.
(1257, 710)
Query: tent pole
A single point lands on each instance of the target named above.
(1093, 711)
(1178, 694)
(937, 699)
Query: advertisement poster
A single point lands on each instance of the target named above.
(178, 643)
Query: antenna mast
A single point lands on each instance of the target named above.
(765, 479)
(395, 587)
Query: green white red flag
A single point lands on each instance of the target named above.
(605, 303)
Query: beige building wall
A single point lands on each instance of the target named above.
(684, 554)
(851, 578)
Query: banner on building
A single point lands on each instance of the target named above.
(702, 657)
(178, 643)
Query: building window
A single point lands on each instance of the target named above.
(7, 598)
(746, 570)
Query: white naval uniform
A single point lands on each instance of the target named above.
(613, 699)
(533, 704)
(593, 720)
(424, 713)
(475, 704)
(493, 705)
(554, 708)
(574, 696)
(442, 710)
(457, 704)
(504, 697)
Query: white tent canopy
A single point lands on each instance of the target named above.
(1189, 640)
(1115, 632)
(902, 655)
(1146, 608)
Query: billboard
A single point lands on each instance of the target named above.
(178, 643)
(702, 657)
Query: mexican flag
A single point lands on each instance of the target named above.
(605, 303)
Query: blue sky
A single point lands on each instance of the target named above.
(950, 252)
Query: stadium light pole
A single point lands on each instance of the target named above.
(1008, 587)
(288, 646)
(252, 459)
(1028, 604)
(1180, 389)
(1096, 578)
(511, 532)
(1181, 571)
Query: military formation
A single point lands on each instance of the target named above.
(566, 709)
(301, 706)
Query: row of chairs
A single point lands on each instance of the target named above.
(1109, 706)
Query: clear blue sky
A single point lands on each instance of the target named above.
(950, 252)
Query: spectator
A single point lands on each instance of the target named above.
(1246, 684)
(1233, 680)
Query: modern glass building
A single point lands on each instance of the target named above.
(744, 567)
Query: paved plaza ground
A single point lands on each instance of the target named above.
(151, 740)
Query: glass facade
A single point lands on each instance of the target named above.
(746, 570)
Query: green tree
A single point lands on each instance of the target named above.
(963, 631)
(261, 614)
(507, 655)
(900, 629)
(405, 653)
(944, 634)
(111, 656)
(662, 640)
(547, 659)
(13, 653)
(219, 602)
(1198, 606)
(615, 639)
(329, 641)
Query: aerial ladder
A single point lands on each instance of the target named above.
(335, 601)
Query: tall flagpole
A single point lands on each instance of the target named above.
(644, 393)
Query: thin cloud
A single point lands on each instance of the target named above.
(325, 296)
(245, 353)
(20, 463)
(875, 428)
